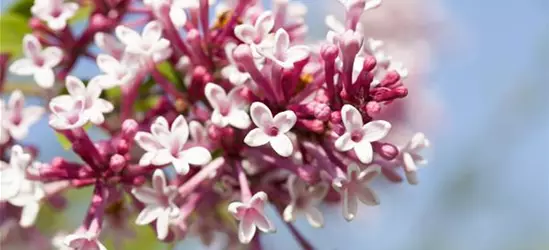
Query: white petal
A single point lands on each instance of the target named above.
(23, 66)
(237, 209)
(44, 77)
(197, 131)
(282, 42)
(146, 195)
(10, 181)
(314, 216)
(181, 166)
(282, 145)
(410, 168)
(152, 32)
(375, 130)
(285, 121)
(258, 201)
(180, 129)
(75, 86)
(146, 159)
(245, 32)
(159, 182)
(246, 230)
(297, 53)
(31, 46)
(364, 151)
(95, 117)
(350, 205)
(127, 35)
(52, 56)
(352, 120)
(107, 63)
(264, 23)
(262, 222)
(162, 225)
(289, 213)
(178, 16)
(218, 119)
(216, 95)
(146, 141)
(344, 142)
(148, 215)
(162, 157)
(103, 106)
(367, 196)
(197, 155)
(29, 214)
(256, 137)
(239, 119)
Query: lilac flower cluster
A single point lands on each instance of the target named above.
(253, 117)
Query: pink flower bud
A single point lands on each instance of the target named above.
(117, 163)
(385, 150)
(129, 129)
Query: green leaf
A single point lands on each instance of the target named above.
(170, 73)
(145, 104)
(21, 7)
(14, 27)
(64, 142)
(83, 13)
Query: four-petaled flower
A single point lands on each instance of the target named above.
(410, 157)
(251, 214)
(16, 118)
(271, 130)
(304, 200)
(231, 71)
(355, 186)
(359, 136)
(257, 36)
(109, 44)
(55, 12)
(166, 145)
(282, 54)
(117, 72)
(228, 108)
(37, 62)
(94, 107)
(83, 241)
(150, 44)
(159, 204)
(67, 113)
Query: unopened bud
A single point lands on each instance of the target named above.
(117, 163)
(386, 150)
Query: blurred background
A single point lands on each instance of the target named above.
(483, 70)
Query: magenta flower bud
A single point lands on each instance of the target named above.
(122, 147)
(335, 117)
(215, 133)
(243, 56)
(129, 129)
(329, 52)
(117, 163)
(36, 24)
(370, 63)
(100, 22)
(322, 112)
(349, 45)
(392, 77)
(309, 174)
(316, 126)
(322, 96)
(372, 108)
(385, 150)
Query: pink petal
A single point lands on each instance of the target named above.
(44, 77)
(31, 46)
(258, 201)
(152, 32)
(297, 53)
(353, 172)
(282, 42)
(264, 23)
(344, 142)
(261, 115)
(197, 155)
(197, 131)
(285, 121)
(237, 209)
(180, 129)
(352, 119)
(75, 86)
(159, 181)
(261, 221)
(246, 33)
(52, 56)
(282, 145)
(364, 151)
(375, 130)
(350, 205)
(148, 215)
(246, 230)
(256, 137)
(147, 142)
(217, 97)
(107, 43)
(23, 66)
(127, 35)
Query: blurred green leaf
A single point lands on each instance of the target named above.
(145, 104)
(14, 27)
(82, 13)
(170, 73)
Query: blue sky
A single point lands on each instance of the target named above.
(491, 82)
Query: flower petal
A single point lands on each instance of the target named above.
(246, 33)
(146, 141)
(375, 130)
(162, 157)
(344, 142)
(216, 95)
(352, 119)
(367, 196)
(162, 225)
(261, 115)
(285, 121)
(159, 182)
(146, 195)
(264, 23)
(23, 66)
(31, 46)
(297, 53)
(350, 205)
(126, 35)
(314, 216)
(246, 230)
(256, 137)
(180, 129)
(239, 119)
(146, 158)
(262, 222)
(282, 145)
(178, 16)
(152, 32)
(44, 77)
(289, 213)
(282, 42)
(237, 209)
(75, 86)
(148, 215)
(52, 56)
(364, 151)
(197, 155)
(197, 131)
(29, 214)
(410, 168)
(107, 63)
(181, 166)
(258, 201)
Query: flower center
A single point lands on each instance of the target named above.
(272, 131)
(356, 136)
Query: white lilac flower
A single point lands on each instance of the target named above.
(229, 109)
(251, 215)
(198, 132)
(94, 106)
(271, 130)
(231, 71)
(116, 72)
(257, 36)
(355, 187)
(282, 53)
(159, 204)
(55, 12)
(109, 44)
(149, 44)
(165, 145)
(410, 156)
(305, 198)
(83, 241)
(359, 136)
(17, 189)
(16, 118)
(38, 62)
(67, 113)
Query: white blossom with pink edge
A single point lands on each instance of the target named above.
(229, 109)
(271, 130)
(165, 145)
(67, 113)
(159, 204)
(410, 156)
(251, 215)
(83, 241)
(55, 12)
(257, 36)
(198, 132)
(304, 200)
(109, 44)
(149, 44)
(355, 186)
(116, 72)
(94, 106)
(38, 62)
(282, 53)
(16, 118)
(231, 71)
(359, 136)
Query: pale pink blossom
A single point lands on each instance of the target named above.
(257, 36)
(198, 132)
(355, 187)
(410, 156)
(282, 53)
(229, 109)
(67, 113)
(231, 71)
(55, 12)
(359, 136)
(305, 200)
(149, 44)
(159, 204)
(165, 145)
(16, 118)
(251, 215)
(109, 44)
(38, 62)
(271, 130)
(94, 106)
(84, 241)
(116, 72)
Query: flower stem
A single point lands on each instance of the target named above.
(304, 243)
(245, 191)
(199, 177)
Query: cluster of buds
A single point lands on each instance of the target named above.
(246, 115)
